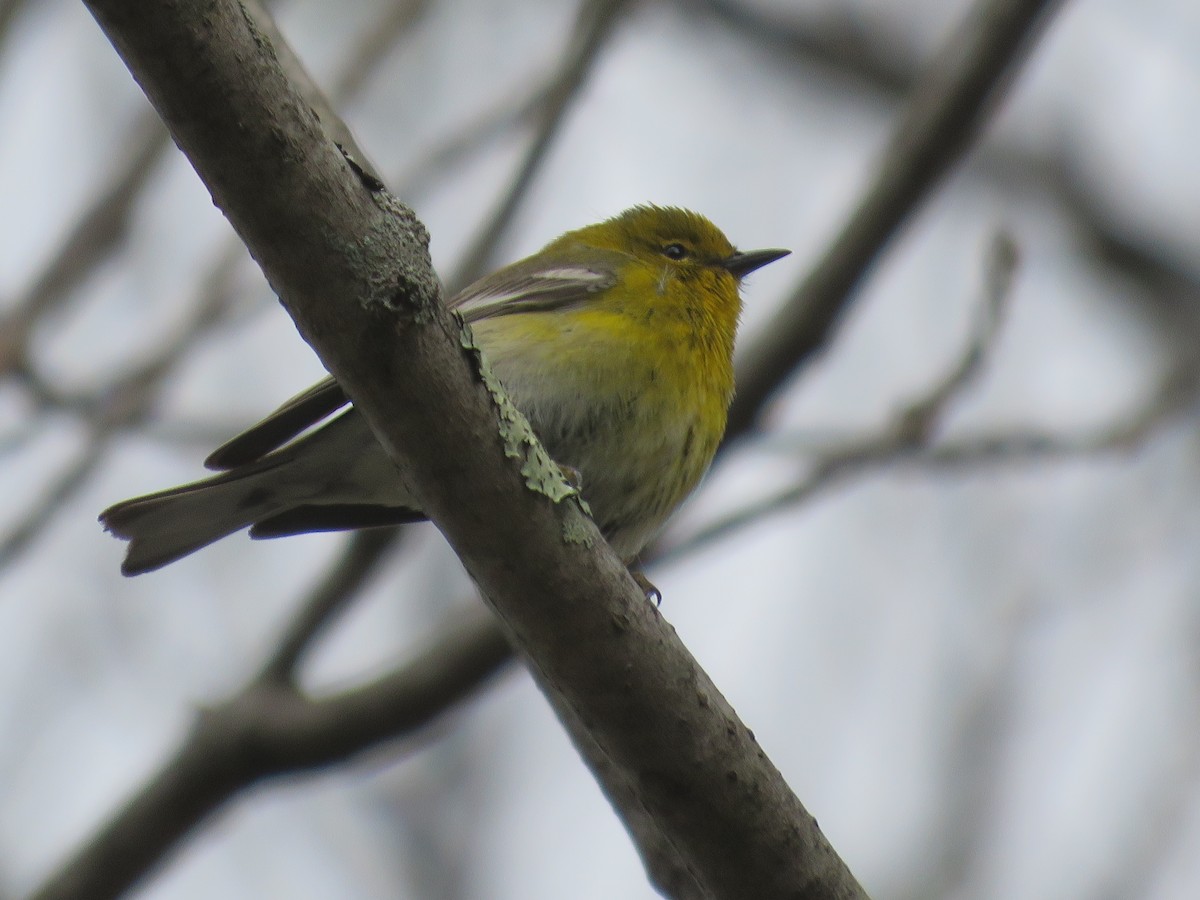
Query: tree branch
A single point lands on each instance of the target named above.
(272, 729)
(329, 599)
(619, 792)
(944, 112)
(351, 265)
(595, 25)
(99, 229)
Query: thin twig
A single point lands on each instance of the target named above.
(340, 584)
(10, 11)
(267, 730)
(98, 230)
(396, 19)
(596, 23)
(895, 449)
(492, 124)
(945, 110)
(842, 47)
(912, 427)
(226, 792)
(127, 400)
(118, 406)
(295, 201)
(54, 496)
(921, 418)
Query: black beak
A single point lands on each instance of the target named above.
(742, 264)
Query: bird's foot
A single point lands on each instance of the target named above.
(653, 594)
(572, 476)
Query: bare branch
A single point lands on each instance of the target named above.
(119, 405)
(271, 729)
(871, 61)
(493, 123)
(10, 10)
(945, 110)
(923, 417)
(667, 869)
(330, 239)
(839, 40)
(395, 20)
(98, 230)
(910, 428)
(329, 598)
(895, 448)
(54, 496)
(628, 804)
(128, 400)
(596, 23)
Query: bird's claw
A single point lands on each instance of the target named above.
(653, 594)
(572, 476)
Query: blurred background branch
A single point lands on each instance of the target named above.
(944, 111)
(864, 57)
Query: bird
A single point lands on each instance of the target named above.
(615, 341)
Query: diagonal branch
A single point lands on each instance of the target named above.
(351, 264)
(945, 111)
(329, 599)
(272, 729)
(304, 630)
(910, 428)
(595, 25)
(100, 228)
(126, 401)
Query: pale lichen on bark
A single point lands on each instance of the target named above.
(575, 528)
(541, 472)
(406, 285)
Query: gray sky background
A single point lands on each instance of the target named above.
(983, 679)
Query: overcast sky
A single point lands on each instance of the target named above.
(982, 679)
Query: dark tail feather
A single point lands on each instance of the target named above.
(168, 525)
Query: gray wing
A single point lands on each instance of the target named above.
(526, 287)
(521, 287)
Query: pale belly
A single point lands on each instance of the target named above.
(638, 454)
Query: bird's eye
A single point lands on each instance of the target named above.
(675, 251)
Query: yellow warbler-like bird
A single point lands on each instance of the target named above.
(615, 340)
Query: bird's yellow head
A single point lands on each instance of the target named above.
(680, 242)
(675, 273)
(660, 235)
